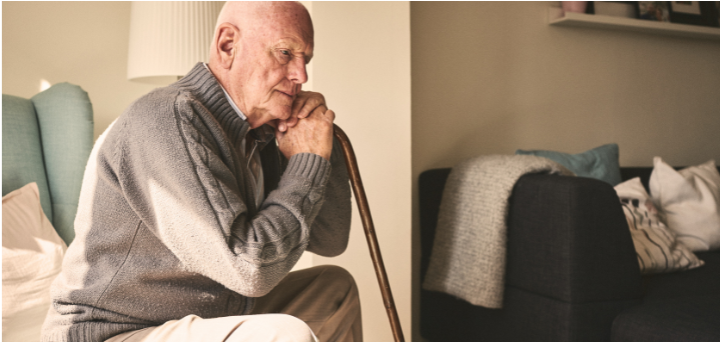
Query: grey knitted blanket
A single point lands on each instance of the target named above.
(468, 257)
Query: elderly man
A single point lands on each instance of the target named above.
(201, 197)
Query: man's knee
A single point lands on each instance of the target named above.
(338, 277)
(272, 328)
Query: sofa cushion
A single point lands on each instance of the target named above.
(22, 155)
(695, 318)
(704, 280)
(600, 163)
(689, 201)
(65, 117)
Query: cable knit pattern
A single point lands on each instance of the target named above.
(167, 225)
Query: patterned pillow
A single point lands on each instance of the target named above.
(657, 248)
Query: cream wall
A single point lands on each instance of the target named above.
(361, 64)
(84, 43)
(493, 77)
(347, 74)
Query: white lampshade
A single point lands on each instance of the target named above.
(167, 38)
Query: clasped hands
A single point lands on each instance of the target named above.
(309, 127)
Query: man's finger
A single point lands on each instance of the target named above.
(298, 104)
(330, 114)
(284, 125)
(279, 134)
(306, 103)
(308, 107)
(320, 110)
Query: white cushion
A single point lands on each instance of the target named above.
(689, 201)
(32, 254)
(657, 248)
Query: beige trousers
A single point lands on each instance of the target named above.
(319, 303)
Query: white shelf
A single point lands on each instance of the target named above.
(558, 18)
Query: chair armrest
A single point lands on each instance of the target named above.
(568, 240)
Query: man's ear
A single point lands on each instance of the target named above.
(228, 36)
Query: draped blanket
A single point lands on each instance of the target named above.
(468, 256)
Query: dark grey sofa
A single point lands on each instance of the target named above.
(572, 273)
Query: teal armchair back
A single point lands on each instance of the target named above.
(47, 139)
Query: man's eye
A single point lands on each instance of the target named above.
(284, 56)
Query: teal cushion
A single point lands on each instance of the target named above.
(600, 163)
(65, 116)
(22, 153)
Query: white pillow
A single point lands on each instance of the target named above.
(657, 249)
(689, 201)
(32, 254)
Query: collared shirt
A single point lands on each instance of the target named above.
(254, 162)
(230, 100)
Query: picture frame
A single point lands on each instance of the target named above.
(703, 13)
(653, 10)
(627, 9)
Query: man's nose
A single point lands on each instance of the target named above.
(297, 71)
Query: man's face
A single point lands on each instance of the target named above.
(271, 67)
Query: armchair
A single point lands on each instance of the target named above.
(47, 140)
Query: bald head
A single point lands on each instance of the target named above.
(258, 55)
(251, 16)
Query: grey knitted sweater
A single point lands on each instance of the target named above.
(167, 225)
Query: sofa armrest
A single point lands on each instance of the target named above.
(571, 266)
(568, 240)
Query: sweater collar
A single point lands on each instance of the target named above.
(203, 84)
(206, 89)
(229, 99)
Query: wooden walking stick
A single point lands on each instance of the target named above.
(364, 210)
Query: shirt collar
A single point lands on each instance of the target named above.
(230, 100)
(263, 134)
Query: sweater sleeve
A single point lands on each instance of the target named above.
(331, 229)
(186, 183)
